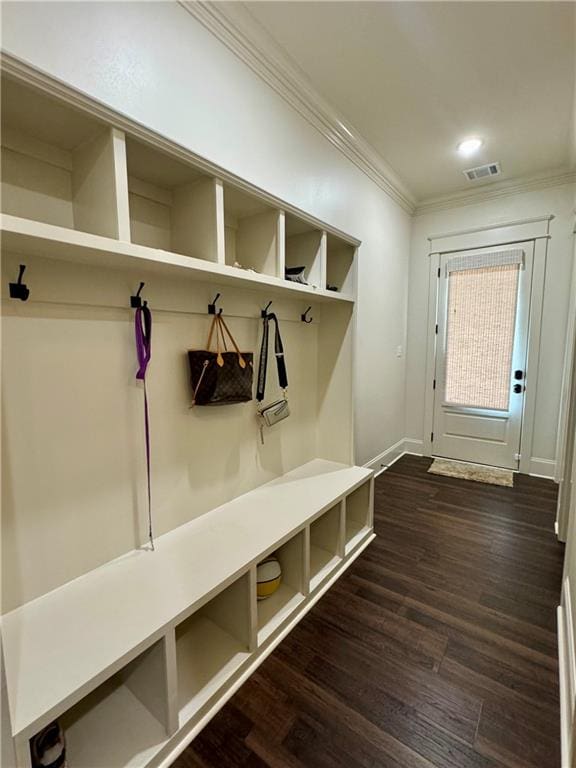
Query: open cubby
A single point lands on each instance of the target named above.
(58, 164)
(173, 206)
(326, 548)
(251, 232)
(358, 514)
(306, 247)
(340, 265)
(212, 645)
(274, 610)
(125, 720)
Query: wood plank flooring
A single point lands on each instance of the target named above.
(437, 649)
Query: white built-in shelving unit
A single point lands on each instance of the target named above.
(134, 656)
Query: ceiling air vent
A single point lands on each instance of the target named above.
(482, 172)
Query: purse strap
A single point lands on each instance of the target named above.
(143, 335)
(263, 362)
(219, 325)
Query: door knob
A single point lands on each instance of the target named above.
(517, 388)
(518, 375)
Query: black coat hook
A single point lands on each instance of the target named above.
(212, 307)
(19, 290)
(264, 312)
(305, 318)
(136, 301)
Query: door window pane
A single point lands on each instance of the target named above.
(480, 336)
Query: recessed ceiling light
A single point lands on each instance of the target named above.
(469, 146)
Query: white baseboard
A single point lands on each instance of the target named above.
(566, 671)
(542, 468)
(392, 454)
(386, 458)
(413, 446)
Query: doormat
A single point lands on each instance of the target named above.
(475, 472)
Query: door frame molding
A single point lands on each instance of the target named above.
(494, 235)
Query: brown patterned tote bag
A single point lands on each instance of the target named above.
(220, 377)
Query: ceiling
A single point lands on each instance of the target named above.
(414, 78)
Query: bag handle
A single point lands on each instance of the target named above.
(219, 325)
(263, 362)
(241, 361)
(215, 326)
(143, 336)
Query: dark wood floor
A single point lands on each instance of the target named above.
(436, 648)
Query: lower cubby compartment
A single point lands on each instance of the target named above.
(358, 515)
(211, 646)
(325, 545)
(276, 609)
(124, 722)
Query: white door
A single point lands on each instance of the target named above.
(482, 338)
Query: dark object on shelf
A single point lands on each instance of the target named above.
(136, 301)
(305, 318)
(332, 288)
(19, 290)
(295, 274)
(220, 377)
(212, 307)
(48, 748)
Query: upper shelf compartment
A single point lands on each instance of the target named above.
(252, 233)
(173, 206)
(305, 247)
(58, 164)
(340, 271)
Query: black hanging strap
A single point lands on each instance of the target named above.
(278, 351)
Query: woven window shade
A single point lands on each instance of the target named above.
(480, 334)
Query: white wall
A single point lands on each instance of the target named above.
(557, 201)
(156, 64)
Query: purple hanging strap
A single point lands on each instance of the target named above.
(143, 332)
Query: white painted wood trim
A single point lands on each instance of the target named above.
(187, 734)
(413, 447)
(431, 320)
(533, 354)
(386, 458)
(567, 673)
(495, 191)
(33, 238)
(495, 234)
(36, 652)
(496, 225)
(545, 468)
(25, 73)
(235, 28)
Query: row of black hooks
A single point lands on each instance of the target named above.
(20, 290)
(212, 310)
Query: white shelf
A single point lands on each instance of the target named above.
(276, 609)
(207, 657)
(355, 533)
(27, 237)
(58, 647)
(112, 728)
(322, 563)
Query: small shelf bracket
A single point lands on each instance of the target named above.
(304, 317)
(20, 290)
(212, 306)
(136, 301)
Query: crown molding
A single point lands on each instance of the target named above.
(496, 190)
(233, 25)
